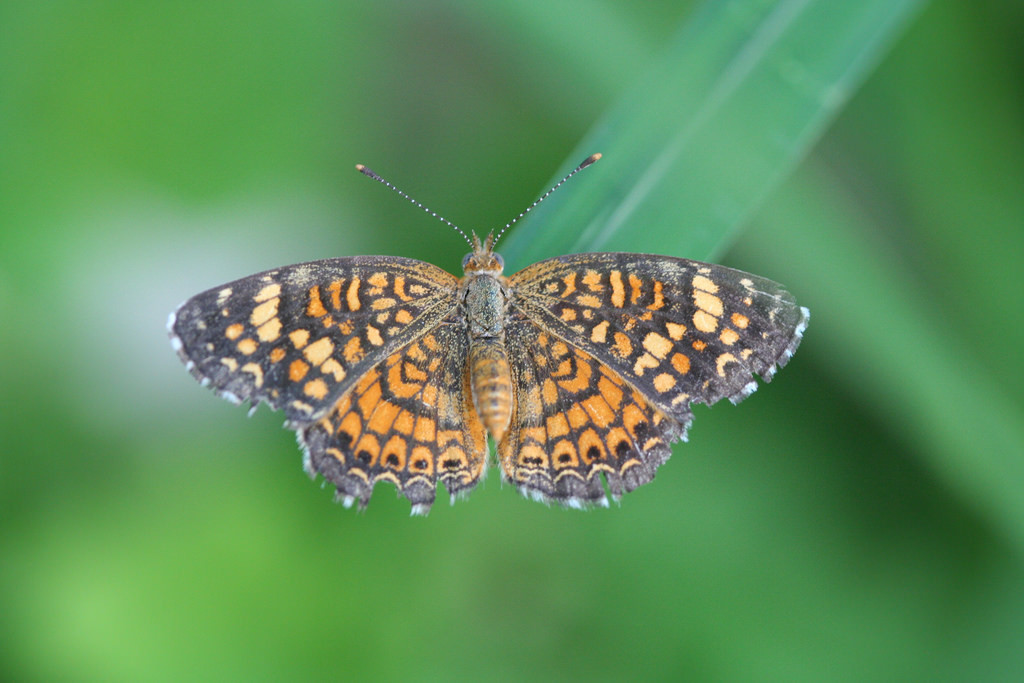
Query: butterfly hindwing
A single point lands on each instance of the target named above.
(409, 420)
(575, 421)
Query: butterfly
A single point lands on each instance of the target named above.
(582, 369)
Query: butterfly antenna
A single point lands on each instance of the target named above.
(369, 172)
(586, 162)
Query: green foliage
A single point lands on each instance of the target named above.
(859, 518)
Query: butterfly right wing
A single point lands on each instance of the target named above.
(409, 420)
(299, 337)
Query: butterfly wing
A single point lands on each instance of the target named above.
(575, 419)
(679, 331)
(409, 420)
(299, 337)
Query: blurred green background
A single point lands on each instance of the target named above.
(861, 518)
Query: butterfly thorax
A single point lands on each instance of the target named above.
(485, 301)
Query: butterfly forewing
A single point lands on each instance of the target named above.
(679, 331)
(299, 337)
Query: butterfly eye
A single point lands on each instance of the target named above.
(500, 261)
(465, 260)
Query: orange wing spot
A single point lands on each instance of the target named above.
(369, 400)
(352, 295)
(633, 416)
(657, 345)
(413, 372)
(722, 361)
(394, 453)
(352, 425)
(601, 413)
(701, 282)
(699, 345)
(383, 416)
(577, 416)
(234, 331)
(335, 289)
(568, 314)
(223, 295)
(618, 290)
(704, 321)
(404, 423)
(592, 279)
(297, 370)
(532, 456)
(403, 317)
(333, 367)
(425, 430)
(549, 392)
(557, 425)
(379, 279)
(422, 461)
(248, 346)
(270, 330)
(599, 334)
(277, 354)
(418, 290)
(741, 321)
(635, 288)
(675, 330)
(299, 338)
(230, 363)
(570, 284)
(588, 300)
(664, 382)
(315, 307)
(399, 288)
(615, 436)
(367, 450)
(643, 362)
(256, 371)
(729, 337)
(564, 454)
(708, 302)
(535, 434)
(659, 298)
(383, 302)
(581, 380)
(315, 388)
(431, 343)
(373, 336)
(746, 353)
(680, 363)
(353, 351)
(398, 386)
(623, 347)
(591, 446)
(268, 292)
(610, 392)
(319, 351)
(429, 395)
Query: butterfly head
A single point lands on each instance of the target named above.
(482, 260)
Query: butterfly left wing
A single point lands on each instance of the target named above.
(409, 420)
(300, 336)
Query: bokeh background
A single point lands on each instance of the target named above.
(861, 518)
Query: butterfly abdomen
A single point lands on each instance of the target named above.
(491, 384)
